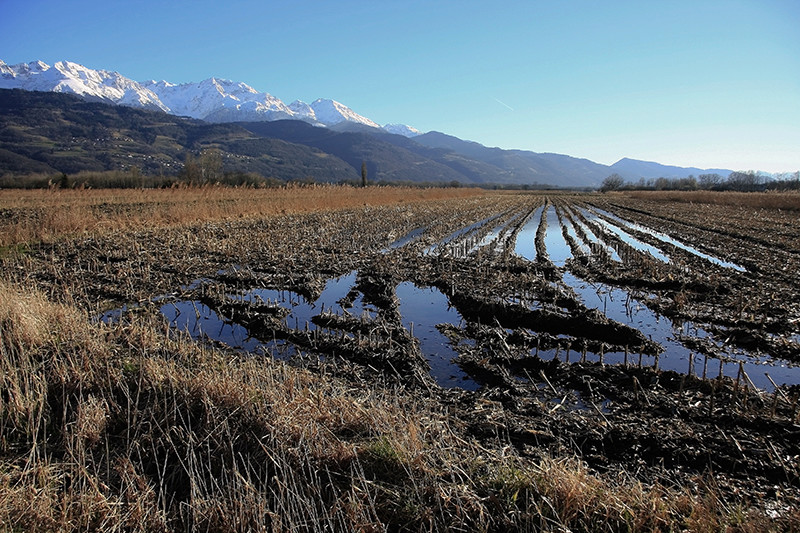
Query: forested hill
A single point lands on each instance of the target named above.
(50, 132)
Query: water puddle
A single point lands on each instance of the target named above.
(494, 235)
(667, 239)
(582, 246)
(626, 237)
(620, 305)
(557, 248)
(595, 240)
(454, 244)
(422, 309)
(405, 239)
(333, 299)
(200, 321)
(525, 245)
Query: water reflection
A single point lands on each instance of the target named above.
(620, 305)
(557, 248)
(626, 237)
(525, 245)
(422, 309)
(667, 239)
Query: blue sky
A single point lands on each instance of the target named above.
(690, 83)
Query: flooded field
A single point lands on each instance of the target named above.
(660, 339)
(582, 302)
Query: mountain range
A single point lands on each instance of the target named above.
(212, 100)
(393, 152)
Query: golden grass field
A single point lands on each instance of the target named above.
(45, 215)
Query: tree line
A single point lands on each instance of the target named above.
(743, 181)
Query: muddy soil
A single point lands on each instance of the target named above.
(643, 337)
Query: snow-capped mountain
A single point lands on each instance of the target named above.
(330, 112)
(303, 111)
(402, 129)
(213, 100)
(217, 100)
(67, 77)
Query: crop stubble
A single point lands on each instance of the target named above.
(535, 347)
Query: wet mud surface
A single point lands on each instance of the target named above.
(654, 338)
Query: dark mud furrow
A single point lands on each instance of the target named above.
(598, 249)
(636, 268)
(691, 289)
(504, 233)
(579, 251)
(682, 255)
(512, 238)
(691, 229)
(753, 304)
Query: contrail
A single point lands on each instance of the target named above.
(504, 104)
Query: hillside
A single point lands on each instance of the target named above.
(633, 169)
(45, 132)
(522, 166)
(389, 157)
(51, 132)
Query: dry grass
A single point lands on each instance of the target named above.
(757, 200)
(131, 428)
(29, 216)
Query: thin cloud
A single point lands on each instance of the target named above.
(504, 104)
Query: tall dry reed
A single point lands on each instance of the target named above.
(758, 200)
(29, 216)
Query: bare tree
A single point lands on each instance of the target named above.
(612, 183)
(211, 165)
(709, 181)
(744, 181)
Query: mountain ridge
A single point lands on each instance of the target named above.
(213, 99)
(632, 169)
(223, 101)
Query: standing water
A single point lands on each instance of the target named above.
(525, 245)
(422, 310)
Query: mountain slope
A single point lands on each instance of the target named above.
(391, 156)
(633, 169)
(385, 161)
(50, 132)
(520, 166)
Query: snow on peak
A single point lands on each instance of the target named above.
(331, 112)
(68, 77)
(401, 129)
(218, 100)
(303, 111)
(213, 99)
